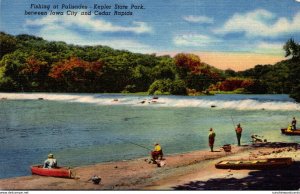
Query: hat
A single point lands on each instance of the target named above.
(50, 155)
(156, 144)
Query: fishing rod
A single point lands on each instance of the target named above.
(232, 121)
(134, 144)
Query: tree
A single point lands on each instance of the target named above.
(197, 75)
(230, 73)
(36, 71)
(256, 87)
(168, 86)
(12, 64)
(8, 44)
(76, 75)
(187, 63)
(292, 48)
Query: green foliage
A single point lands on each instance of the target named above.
(168, 87)
(279, 78)
(292, 48)
(8, 85)
(29, 63)
(129, 89)
(296, 93)
(256, 72)
(294, 79)
(230, 73)
(197, 75)
(258, 87)
(283, 77)
(178, 87)
(160, 86)
(8, 44)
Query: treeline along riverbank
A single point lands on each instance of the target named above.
(31, 64)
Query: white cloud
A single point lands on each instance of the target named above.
(59, 33)
(89, 23)
(198, 19)
(260, 23)
(194, 40)
(61, 28)
(269, 48)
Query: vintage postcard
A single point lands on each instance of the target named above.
(150, 95)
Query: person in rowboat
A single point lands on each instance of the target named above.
(289, 129)
(211, 139)
(157, 153)
(294, 122)
(50, 162)
(238, 131)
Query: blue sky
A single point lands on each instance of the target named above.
(167, 26)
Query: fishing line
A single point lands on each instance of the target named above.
(232, 121)
(134, 144)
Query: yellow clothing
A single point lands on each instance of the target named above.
(157, 148)
(289, 129)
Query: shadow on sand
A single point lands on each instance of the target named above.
(277, 179)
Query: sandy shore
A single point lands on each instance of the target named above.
(188, 171)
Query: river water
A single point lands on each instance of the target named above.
(82, 129)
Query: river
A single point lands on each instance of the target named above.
(82, 129)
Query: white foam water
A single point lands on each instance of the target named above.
(243, 103)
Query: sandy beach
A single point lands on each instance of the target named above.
(188, 171)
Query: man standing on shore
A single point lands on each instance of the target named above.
(238, 131)
(211, 139)
(294, 122)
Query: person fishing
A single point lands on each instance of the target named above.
(294, 122)
(157, 153)
(50, 162)
(238, 131)
(211, 139)
(289, 129)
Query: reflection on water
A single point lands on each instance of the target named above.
(97, 131)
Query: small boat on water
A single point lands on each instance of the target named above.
(293, 132)
(257, 164)
(55, 172)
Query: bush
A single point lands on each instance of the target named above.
(296, 94)
(129, 89)
(8, 85)
(178, 87)
(167, 87)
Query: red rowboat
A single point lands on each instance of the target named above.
(56, 172)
